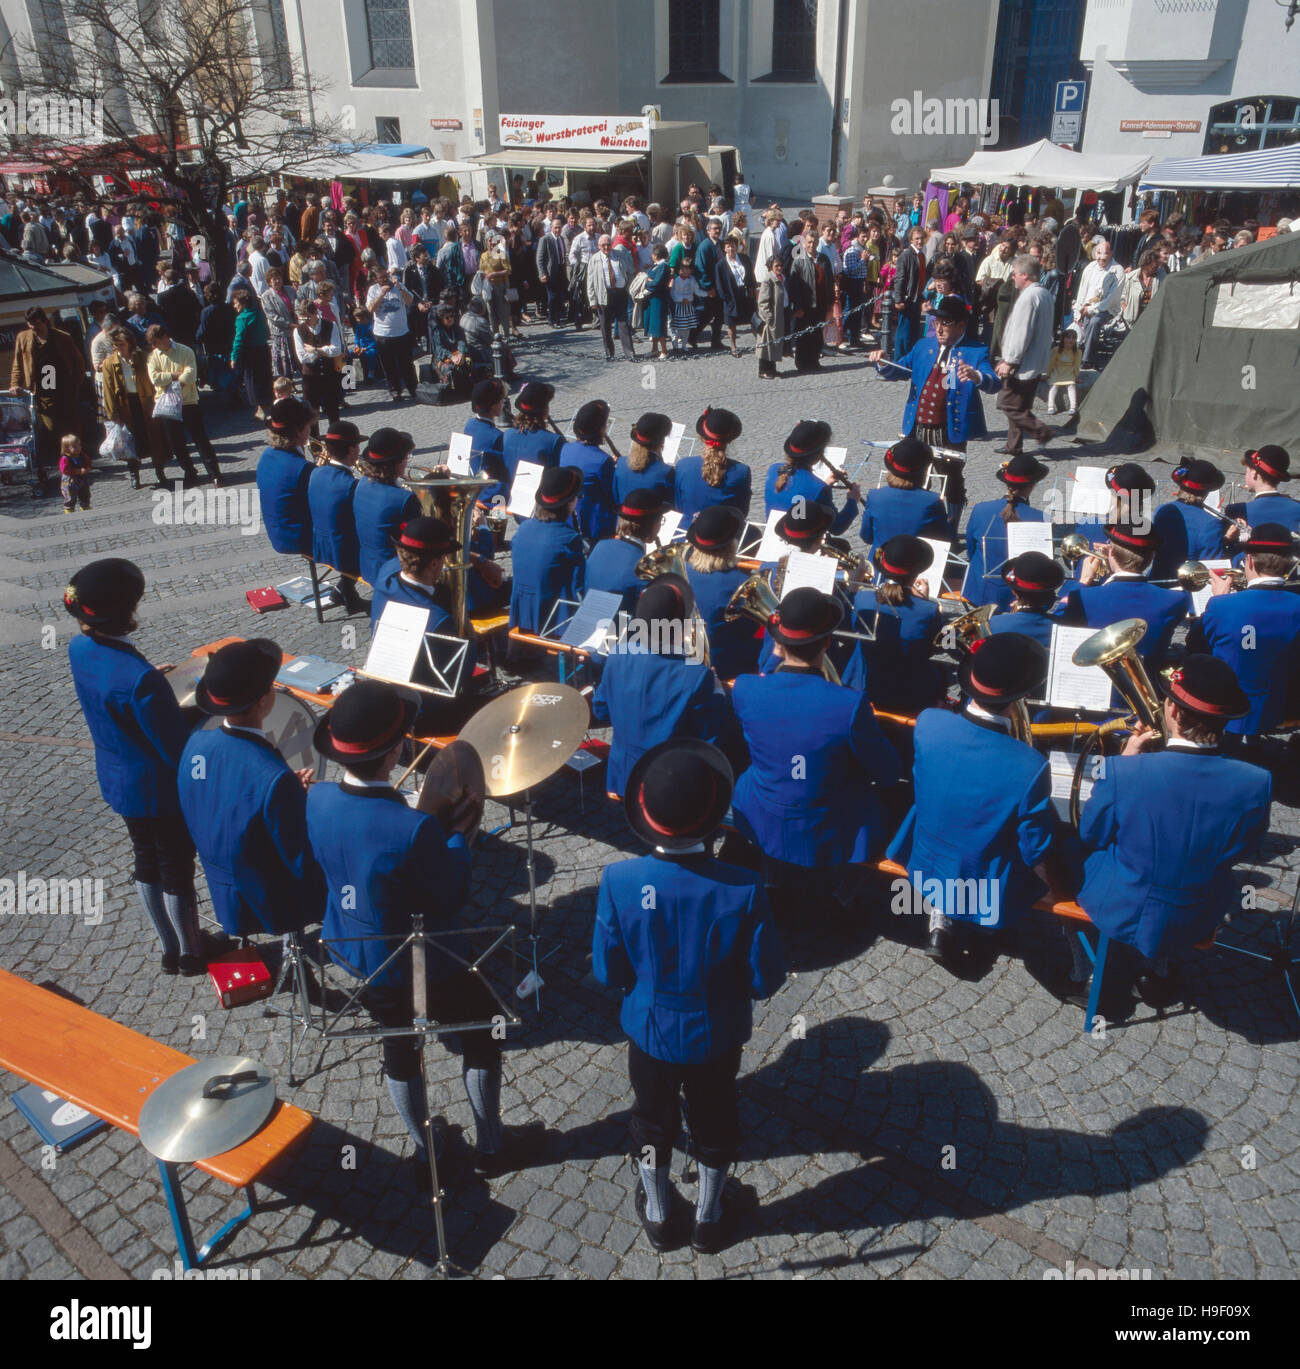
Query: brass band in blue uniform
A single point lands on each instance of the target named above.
(1256, 631)
(817, 756)
(714, 539)
(139, 734)
(531, 439)
(803, 528)
(979, 872)
(245, 808)
(1188, 532)
(547, 552)
(713, 477)
(612, 564)
(330, 492)
(895, 667)
(644, 468)
(1132, 502)
(1162, 832)
(986, 531)
(596, 513)
(380, 506)
(689, 942)
(1265, 470)
(397, 862)
(902, 506)
(656, 688)
(1127, 593)
(1034, 581)
(487, 401)
(283, 473)
(794, 479)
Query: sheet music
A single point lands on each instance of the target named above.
(772, 548)
(1214, 500)
(523, 493)
(839, 458)
(1023, 537)
(1201, 597)
(589, 628)
(1063, 764)
(673, 443)
(460, 455)
(1072, 686)
(670, 530)
(804, 570)
(940, 564)
(1088, 493)
(397, 642)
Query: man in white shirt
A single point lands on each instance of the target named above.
(257, 260)
(1026, 348)
(428, 231)
(393, 246)
(767, 246)
(1097, 299)
(609, 273)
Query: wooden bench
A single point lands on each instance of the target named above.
(1069, 911)
(110, 1070)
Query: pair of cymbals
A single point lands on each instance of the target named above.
(525, 736)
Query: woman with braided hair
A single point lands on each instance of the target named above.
(986, 531)
(700, 482)
(794, 478)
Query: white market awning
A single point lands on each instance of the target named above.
(1044, 164)
(558, 159)
(1275, 168)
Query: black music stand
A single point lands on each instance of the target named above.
(422, 1027)
(1282, 956)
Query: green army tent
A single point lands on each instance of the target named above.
(1213, 362)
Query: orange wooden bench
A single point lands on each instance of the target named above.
(110, 1070)
(1069, 911)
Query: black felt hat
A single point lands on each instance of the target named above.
(652, 430)
(104, 593)
(802, 527)
(388, 445)
(1206, 686)
(909, 457)
(1033, 573)
(1198, 477)
(717, 526)
(558, 485)
(805, 617)
(590, 420)
(1021, 470)
(904, 557)
(289, 415)
(808, 440)
(237, 675)
(1272, 462)
(678, 793)
(718, 427)
(429, 535)
(367, 720)
(1003, 668)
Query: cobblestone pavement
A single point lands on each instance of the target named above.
(897, 1120)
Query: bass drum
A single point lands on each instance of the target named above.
(291, 727)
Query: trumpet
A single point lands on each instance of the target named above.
(1076, 549)
(855, 566)
(1195, 575)
(757, 601)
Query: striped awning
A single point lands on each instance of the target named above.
(1275, 168)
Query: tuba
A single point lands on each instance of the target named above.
(1114, 649)
(453, 498)
(970, 628)
(757, 601)
(669, 560)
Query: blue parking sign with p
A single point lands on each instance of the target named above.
(1070, 97)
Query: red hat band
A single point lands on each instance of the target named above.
(356, 748)
(1200, 705)
(1263, 465)
(893, 570)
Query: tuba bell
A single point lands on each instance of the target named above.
(669, 560)
(453, 498)
(1114, 650)
(757, 601)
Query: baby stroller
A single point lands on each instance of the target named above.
(18, 440)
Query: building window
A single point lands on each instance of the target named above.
(794, 41)
(277, 64)
(1251, 124)
(387, 129)
(388, 26)
(694, 39)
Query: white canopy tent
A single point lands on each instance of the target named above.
(1044, 164)
(369, 166)
(1274, 168)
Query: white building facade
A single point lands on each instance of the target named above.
(1181, 78)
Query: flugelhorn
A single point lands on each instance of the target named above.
(962, 633)
(1076, 549)
(1195, 575)
(757, 601)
